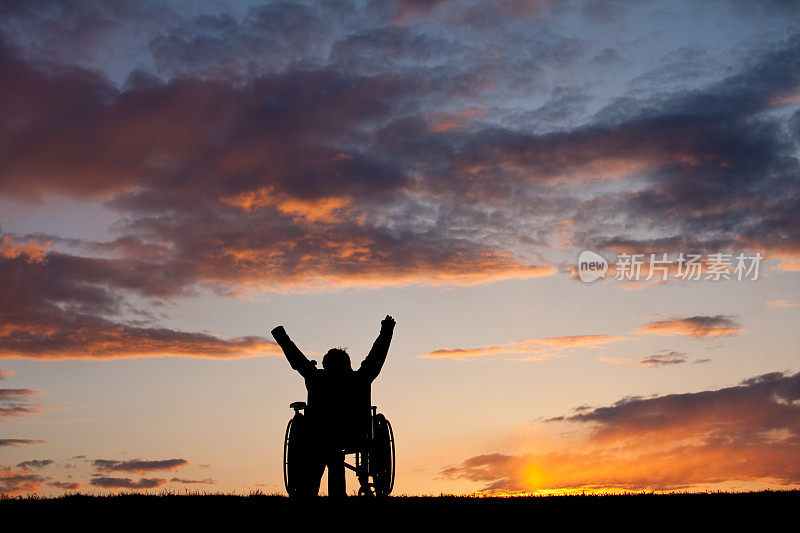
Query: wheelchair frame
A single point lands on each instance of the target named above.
(375, 460)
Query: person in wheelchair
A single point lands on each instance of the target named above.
(338, 413)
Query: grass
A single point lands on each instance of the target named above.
(224, 512)
(257, 497)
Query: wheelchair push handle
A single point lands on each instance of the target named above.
(298, 406)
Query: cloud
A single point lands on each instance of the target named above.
(531, 349)
(294, 248)
(10, 406)
(407, 9)
(444, 121)
(22, 482)
(17, 410)
(656, 360)
(66, 485)
(747, 433)
(269, 38)
(65, 308)
(748, 412)
(549, 347)
(781, 304)
(19, 442)
(5, 374)
(636, 140)
(65, 32)
(34, 463)
(700, 326)
(341, 150)
(73, 307)
(496, 468)
(26, 480)
(609, 57)
(668, 134)
(207, 481)
(12, 394)
(32, 251)
(258, 246)
(108, 340)
(127, 483)
(138, 465)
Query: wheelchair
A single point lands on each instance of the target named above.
(373, 463)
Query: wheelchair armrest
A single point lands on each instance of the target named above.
(297, 405)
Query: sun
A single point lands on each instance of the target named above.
(535, 477)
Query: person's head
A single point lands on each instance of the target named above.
(336, 361)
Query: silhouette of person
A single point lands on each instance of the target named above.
(338, 409)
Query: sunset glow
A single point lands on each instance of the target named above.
(583, 215)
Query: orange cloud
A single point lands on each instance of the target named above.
(14, 410)
(333, 265)
(32, 251)
(317, 210)
(789, 264)
(781, 304)
(22, 482)
(307, 154)
(748, 434)
(528, 350)
(696, 326)
(10, 406)
(72, 307)
(322, 209)
(250, 200)
(651, 361)
(94, 339)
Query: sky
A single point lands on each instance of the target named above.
(584, 216)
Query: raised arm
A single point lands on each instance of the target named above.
(293, 354)
(371, 366)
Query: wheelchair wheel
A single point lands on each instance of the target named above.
(382, 461)
(293, 451)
